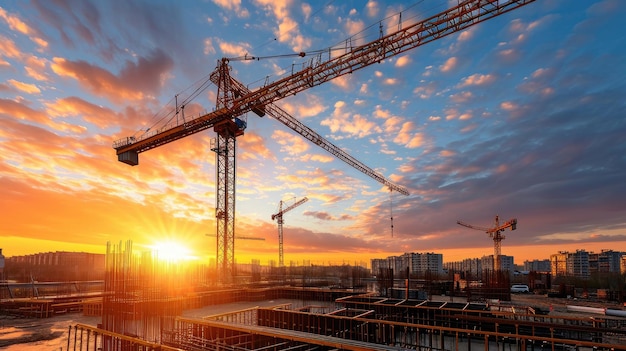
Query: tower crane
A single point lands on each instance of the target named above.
(494, 233)
(279, 219)
(233, 102)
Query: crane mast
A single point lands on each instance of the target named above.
(233, 102)
(279, 219)
(495, 234)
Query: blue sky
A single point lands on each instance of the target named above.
(521, 116)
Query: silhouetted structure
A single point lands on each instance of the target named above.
(59, 266)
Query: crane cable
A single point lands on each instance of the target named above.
(164, 116)
(391, 209)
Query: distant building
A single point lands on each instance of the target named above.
(578, 264)
(558, 263)
(537, 266)
(574, 264)
(506, 263)
(607, 261)
(416, 263)
(426, 262)
(469, 268)
(55, 266)
(378, 264)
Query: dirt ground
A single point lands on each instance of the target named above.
(34, 334)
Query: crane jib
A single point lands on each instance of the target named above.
(462, 16)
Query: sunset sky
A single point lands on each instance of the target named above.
(522, 116)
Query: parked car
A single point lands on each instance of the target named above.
(520, 288)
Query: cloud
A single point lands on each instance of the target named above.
(8, 48)
(478, 80)
(342, 82)
(322, 158)
(288, 29)
(24, 87)
(462, 97)
(344, 121)
(403, 61)
(36, 68)
(254, 147)
(209, 49)
(233, 5)
(16, 24)
(22, 111)
(449, 65)
(311, 106)
(292, 144)
(231, 49)
(325, 216)
(136, 81)
(353, 27)
(408, 138)
(372, 7)
(99, 116)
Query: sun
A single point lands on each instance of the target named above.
(172, 251)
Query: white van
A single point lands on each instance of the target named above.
(520, 288)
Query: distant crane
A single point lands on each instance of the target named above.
(279, 218)
(497, 237)
(233, 102)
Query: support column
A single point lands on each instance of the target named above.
(227, 131)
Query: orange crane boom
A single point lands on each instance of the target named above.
(494, 233)
(231, 104)
(279, 218)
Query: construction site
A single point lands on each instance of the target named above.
(151, 304)
(144, 308)
(148, 304)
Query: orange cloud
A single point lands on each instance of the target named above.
(478, 79)
(254, 147)
(407, 138)
(449, 65)
(287, 31)
(233, 49)
(322, 158)
(134, 82)
(24, 87)
(290, 143)
(16, 24)
(312, 106)
(233, 5)
(36, 68)
(403, 61)
(73, 106)
(22, 111)
(8, 48)
(346, 122)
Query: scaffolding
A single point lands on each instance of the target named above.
(144, 300)
(369, 322)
